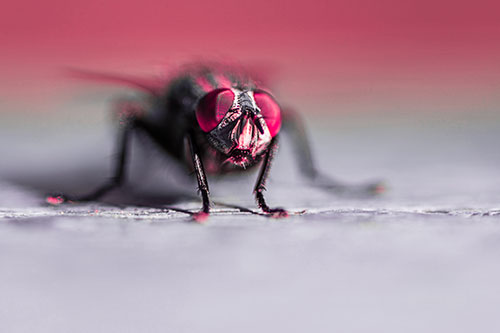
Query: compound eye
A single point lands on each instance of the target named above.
(270, 111)
(213, 107)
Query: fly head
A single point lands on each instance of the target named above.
(239, 124)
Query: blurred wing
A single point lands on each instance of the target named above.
(152, 86)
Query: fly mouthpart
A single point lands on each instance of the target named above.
(240, 157)
(240, 153)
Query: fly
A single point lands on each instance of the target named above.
(227, 122)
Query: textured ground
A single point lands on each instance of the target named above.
(421, 258)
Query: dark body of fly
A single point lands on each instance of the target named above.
(174, 117)
(216, 121)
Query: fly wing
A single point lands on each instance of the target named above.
(149, 85)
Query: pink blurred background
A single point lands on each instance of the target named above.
(358, 55)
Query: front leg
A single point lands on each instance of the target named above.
(201, 177)
(260, 186)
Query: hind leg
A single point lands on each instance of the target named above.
(294, 126)
(119, 169)
(128, 112)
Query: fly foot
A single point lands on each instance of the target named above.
(57, 199)
(376, 188)
(276, 213)
(200, 217)
(380, 188)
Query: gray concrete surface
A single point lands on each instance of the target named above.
(424, 257)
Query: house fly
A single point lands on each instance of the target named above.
(215, 120)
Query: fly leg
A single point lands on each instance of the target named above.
(260, 186)
(118, 174)
(294, 126)
(201, 177)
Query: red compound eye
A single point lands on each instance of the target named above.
(213, 107)
(270, 111)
